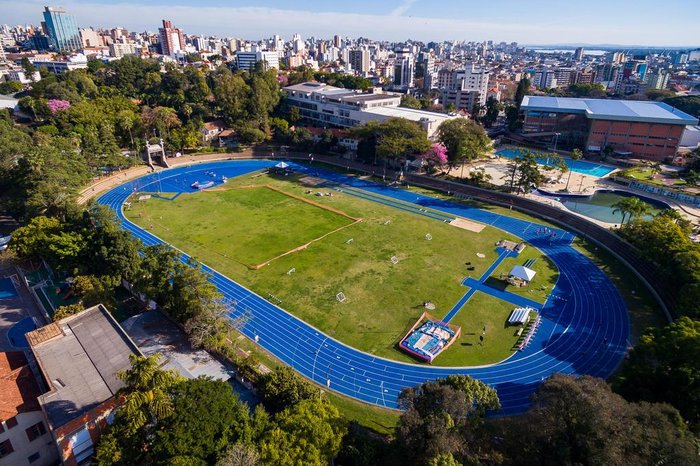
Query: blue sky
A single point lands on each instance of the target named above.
(639, 22)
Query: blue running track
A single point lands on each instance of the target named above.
(584, 328)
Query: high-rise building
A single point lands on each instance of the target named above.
(172, 40)
(337, 41)
(578, 54)
(61, 29)
(359, 60)
(657, 79)
(404, 68)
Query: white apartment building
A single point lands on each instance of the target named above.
(325, 105)
(464, 88)
(118, 49)
(247, 60)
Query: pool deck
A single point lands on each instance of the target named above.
(579, 184)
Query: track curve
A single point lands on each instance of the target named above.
(584, 327)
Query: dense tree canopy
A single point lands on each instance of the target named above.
(464, 139)
(580, 421)
(663, 367)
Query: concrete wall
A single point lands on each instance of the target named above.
(23, 448)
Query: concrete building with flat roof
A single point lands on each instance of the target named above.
(644, 129)
(79, 358)
(325, 105)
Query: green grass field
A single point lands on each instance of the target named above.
(231, 229)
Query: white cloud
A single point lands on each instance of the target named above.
(403, 8)
(258, 22)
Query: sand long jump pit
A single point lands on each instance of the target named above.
(469, 225)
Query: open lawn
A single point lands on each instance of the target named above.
(540, 287)
(383, 299)
(220, 221)
(481, 311)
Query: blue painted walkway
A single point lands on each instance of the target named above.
(513, 298)
(583, 312)
(463, 300)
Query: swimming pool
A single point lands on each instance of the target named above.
(7, 289)
(578, 166)
(599, 206)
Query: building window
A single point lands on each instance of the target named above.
(35, 431)
(33, 457)
(10, 423)
(6, 448)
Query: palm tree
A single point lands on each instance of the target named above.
(655, 168)
(576, 154)
(638, 208)
(146, 398)
(632, 207)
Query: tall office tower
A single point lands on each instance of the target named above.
(359, 60)
(172, 39)
(578, 54)
(61, 29)
(3, 57)
(337, 41)
(404, 68)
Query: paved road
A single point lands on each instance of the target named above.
(584, 327)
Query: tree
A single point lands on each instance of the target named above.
(580, 421)
(240, 454)
(192, 430)
(524, 172)
(47, 238)
(464, 140)
(663, 368)
(521, 91)
(146, 398)
(689, 104)
(231, 93)
(66, 311)
(442, 417)
(632, 206)
(576, 154)
(94, 290)
(309, 433)
(436, 156)
(394, 139)
(283, 387)
(409, 101)
(29, 68)
(493, 108)
(160, 119)
(586, 90)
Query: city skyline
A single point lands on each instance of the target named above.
(551, 23)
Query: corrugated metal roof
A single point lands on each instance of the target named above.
(610, 109)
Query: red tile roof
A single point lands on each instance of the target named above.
(18, 386)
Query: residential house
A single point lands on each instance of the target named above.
(24, 437)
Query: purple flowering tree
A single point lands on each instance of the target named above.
(436, 156)
(56, 105)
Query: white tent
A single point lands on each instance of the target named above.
(523, 273)
(282, 165)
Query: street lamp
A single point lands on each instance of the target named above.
(556, 139)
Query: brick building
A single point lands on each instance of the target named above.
(649, 130)
(79, 357)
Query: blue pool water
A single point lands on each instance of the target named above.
(7, 289)
(578, 166)
(16, 333)
(600, 205)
